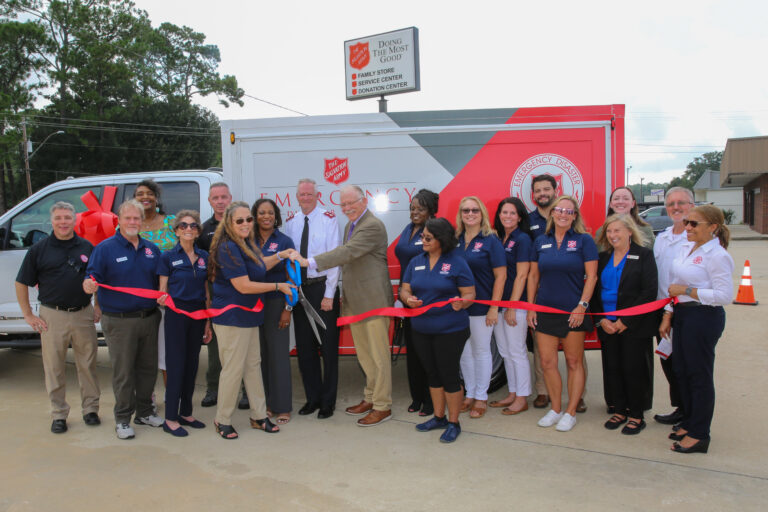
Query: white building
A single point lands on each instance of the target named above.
(708, 189)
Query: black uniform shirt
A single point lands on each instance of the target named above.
(58, 268)
(206, 234)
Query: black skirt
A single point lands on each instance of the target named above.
(556, 324)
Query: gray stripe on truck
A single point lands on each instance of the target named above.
(453, 151)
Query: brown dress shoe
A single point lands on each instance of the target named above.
(541, 401)
(374, 418)
(581, 406)
(359, 409)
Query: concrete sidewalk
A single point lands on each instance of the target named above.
(498, 463)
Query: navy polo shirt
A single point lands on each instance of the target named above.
(276, 242)
(562, 270)
(186, 281)
(116, 262)
(483, 254)
(407, 247)
(233, 262)
(517, 248)
(442, 282)
(538, 223)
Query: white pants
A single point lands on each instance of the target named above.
(476, 360)
(511, 344)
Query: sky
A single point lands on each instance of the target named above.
(689, 73)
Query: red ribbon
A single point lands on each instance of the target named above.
(98, 222)
(411, 312)
(200, 314)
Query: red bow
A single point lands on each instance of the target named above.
(98, 222)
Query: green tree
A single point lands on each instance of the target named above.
(696, 168)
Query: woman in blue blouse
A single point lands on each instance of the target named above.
(238, 270)
(439, 335)
(627, 277)
(274, 334)
(183, 271)
(564, 254)
(511, 224)
(423, 207)
(480, 246)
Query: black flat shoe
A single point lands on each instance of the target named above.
(701, 446)
(176, 432)
(244, 403)
(59, 426)
(633, 428)
(676, 437)
(210, 399)
(91, 419)
(325, 413)
(415, 406)
(672, 418)
(308, 408)
(193, 423)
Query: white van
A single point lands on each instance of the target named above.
(29, 222)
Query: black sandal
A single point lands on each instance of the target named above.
(226, 431)
(633, 427)
(266, 425)
(615, 422)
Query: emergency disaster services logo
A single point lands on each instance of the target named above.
(567, 175)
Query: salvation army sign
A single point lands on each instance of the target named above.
(382, 64)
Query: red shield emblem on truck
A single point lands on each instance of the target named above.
(336, 170)
(359, 56)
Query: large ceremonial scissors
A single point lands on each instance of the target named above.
(297, 295)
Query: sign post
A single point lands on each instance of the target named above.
(382, 64)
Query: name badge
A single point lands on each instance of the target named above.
(633, 257)
(535, 227)
(122, 259)
(418, 242)
(422, 267)
(546, 246)
(177, 262)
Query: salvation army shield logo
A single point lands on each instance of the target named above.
(336, 170)
(272, 247)
(571, 244)
(359, 56)
(477, 247)
(445, 268)
(148, 252)
(568, 177)
(697, 260)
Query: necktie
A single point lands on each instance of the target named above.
(303, 248)
(351, 228)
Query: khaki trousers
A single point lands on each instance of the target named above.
(540, 385)
(240, 354)
(371, 338)
(64, 328)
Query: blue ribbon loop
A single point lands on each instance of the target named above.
(294, 273)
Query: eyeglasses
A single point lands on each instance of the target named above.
(694, 223)
(427, 238)
(564, 211)
(188, 225)
(241, 220)
(470, 210)
(678, 203)
(345, 205)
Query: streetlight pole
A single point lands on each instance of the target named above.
(627, 182)
(28, 155)
(642, 198)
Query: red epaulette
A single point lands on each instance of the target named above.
(290, 216)
(330, 214)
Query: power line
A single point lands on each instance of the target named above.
(275, 105)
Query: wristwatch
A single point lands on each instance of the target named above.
(688, 291)
(584, 304)
(288, 307)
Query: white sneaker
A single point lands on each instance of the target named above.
(153, 420)
(566, 423)
(124, 431)
(550, 418)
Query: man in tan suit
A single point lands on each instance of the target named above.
(365, 285)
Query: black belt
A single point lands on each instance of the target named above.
(144, 313)
(65, 308)
(689, 304)
(315, 280)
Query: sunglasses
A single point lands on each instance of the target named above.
(241, 220)
(566, 211)
(427, 238)
(188, 225)
(694, 223)
(470, 210)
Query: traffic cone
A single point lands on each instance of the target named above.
(746, 293)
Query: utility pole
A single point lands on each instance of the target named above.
(26, 154)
